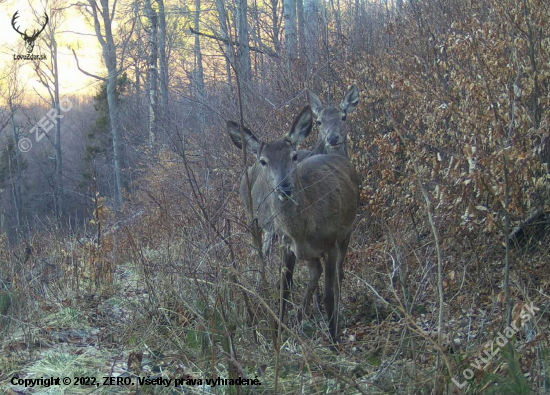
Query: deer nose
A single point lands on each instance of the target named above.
(333, 139)
(284, 190)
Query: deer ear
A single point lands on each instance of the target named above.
(301, 127)
(351, 100)
(314, 102)
(252, 143)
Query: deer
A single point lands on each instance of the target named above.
(313, 204)
(29, 40)
(332, 140)
(331, 123)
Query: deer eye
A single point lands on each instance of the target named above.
(263, 162)
(319, 123)
(295, 157)
(343, 118)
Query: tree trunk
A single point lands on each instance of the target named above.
(60, 199)
(163, 59)
(357, 28)
(136, 59)
(16, 181)
(222, 17)
(289, 14)
(311, 11)
(259, 44)
(275, 24)
(109, 55)
(152, 75)
(337, 19)
(199, 73)
(301, 26)
(49, 77)
(243, 50)
(138, 82)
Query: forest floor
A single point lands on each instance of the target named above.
(103, 341)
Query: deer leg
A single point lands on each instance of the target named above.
(317, 300)
(339, 254)
(332, 295)
(289, 260)
(342, 250)
(315, 271)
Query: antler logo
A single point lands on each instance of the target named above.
(29, 40)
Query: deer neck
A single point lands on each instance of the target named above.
(341, 150)
(288, 214)
(321, 148)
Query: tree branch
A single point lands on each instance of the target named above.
(85, 72)
(229, 42)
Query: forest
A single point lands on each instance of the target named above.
(390, 236)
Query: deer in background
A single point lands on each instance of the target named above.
(331, 122)
(313, 204)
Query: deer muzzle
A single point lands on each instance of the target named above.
(284, 191)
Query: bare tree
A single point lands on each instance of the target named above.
(152, 75)
(258, 56)
(137, 56)
(48, 75)
(104, 34)
(275, 24)
(311, 29)
(289, 12)
(13, 95)
(222, 17)
(301, 25)
(243, 50)
(199, 73)
(163, 76)
(337, 18)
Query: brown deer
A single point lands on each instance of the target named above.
(331, 122)
(313, 204)
(29, 40)
(332, 140)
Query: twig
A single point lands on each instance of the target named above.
(229, 42)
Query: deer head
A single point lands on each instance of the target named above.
(29, 40)
(331, 121)
(278, 159)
